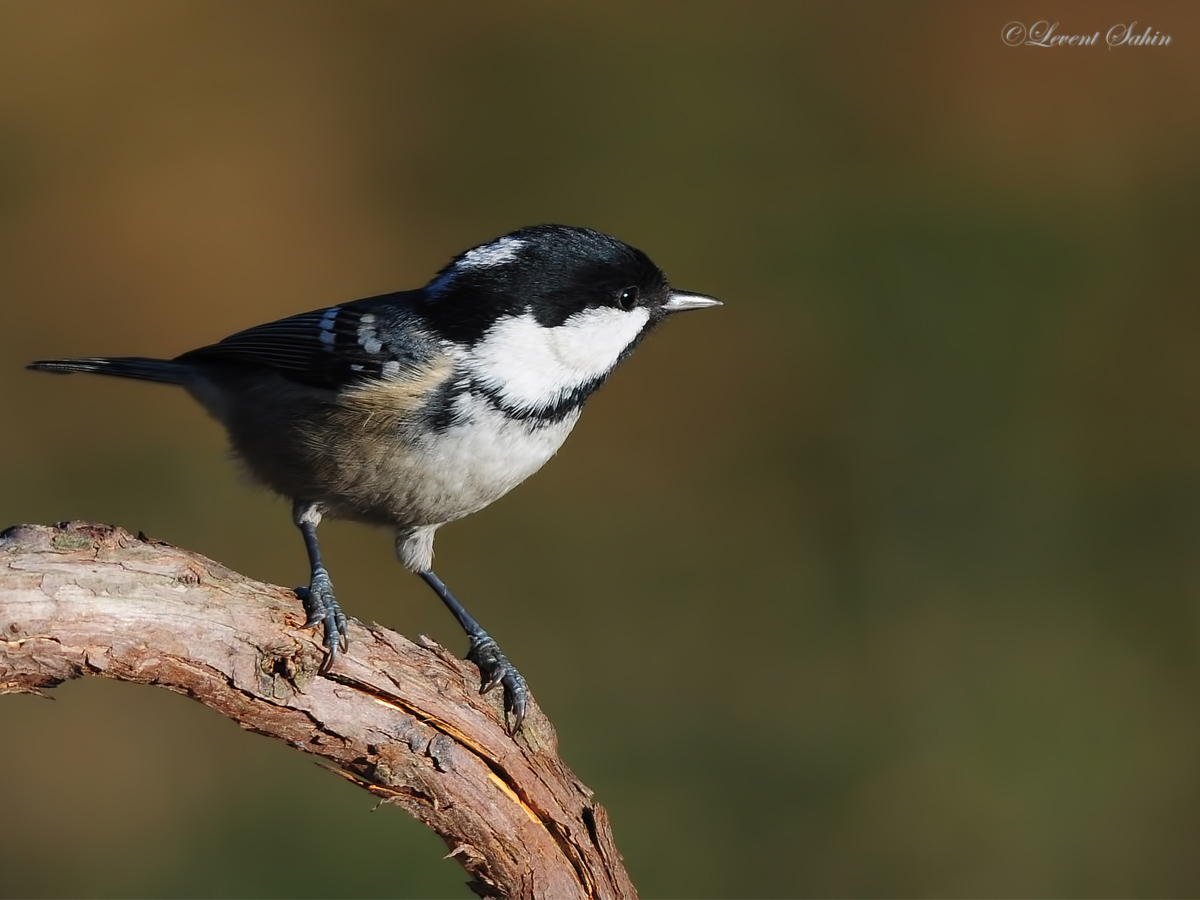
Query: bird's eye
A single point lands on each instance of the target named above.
(628, 298)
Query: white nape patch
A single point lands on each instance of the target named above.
(533, 366)
(497, 253)
(327, 320)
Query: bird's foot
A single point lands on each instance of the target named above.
(495, 669)
(322, 607)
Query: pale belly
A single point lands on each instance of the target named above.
(447, 475)
(376, 463)
(469, 466)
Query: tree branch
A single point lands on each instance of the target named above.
(404, 721)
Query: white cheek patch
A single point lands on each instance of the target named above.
(497, 253)
(533, 366)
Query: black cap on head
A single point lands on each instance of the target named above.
(550, 271)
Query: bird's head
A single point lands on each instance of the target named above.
(546, 313)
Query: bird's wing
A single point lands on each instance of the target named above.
(335, 347)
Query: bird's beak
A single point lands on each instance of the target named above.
(681, 300)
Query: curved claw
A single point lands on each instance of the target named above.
(322, 607)
(495, 670)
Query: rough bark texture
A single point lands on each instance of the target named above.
(401, 720)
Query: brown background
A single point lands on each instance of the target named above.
(881, 580)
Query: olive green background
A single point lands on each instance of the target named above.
(883, 579)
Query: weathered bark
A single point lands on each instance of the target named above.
(402, 720)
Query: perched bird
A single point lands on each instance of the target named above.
(417, 408)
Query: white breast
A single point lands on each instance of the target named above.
(461, 470)
(473, 463)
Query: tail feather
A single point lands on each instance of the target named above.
(162, 370)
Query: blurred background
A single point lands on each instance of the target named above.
(881, 580)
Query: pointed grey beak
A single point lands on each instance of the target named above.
(681, 300)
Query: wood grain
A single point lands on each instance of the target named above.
(400, 719)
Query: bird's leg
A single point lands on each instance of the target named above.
(494, 666)
(318, 597)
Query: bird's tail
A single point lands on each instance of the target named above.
(162, 370)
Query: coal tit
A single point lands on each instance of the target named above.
(417, 408)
